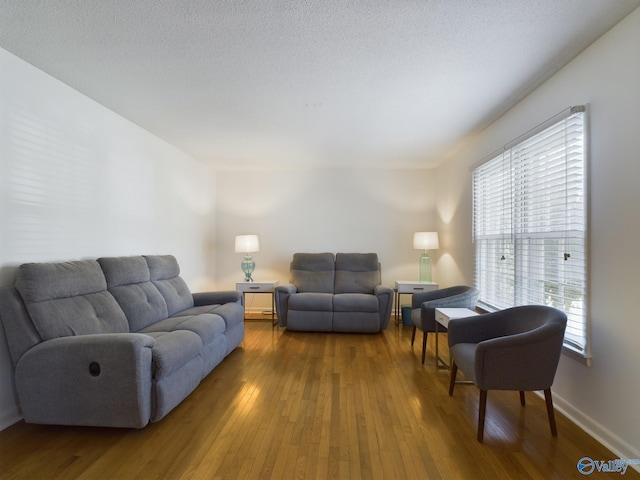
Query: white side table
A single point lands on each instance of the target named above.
(443, 316)
(262, 286)
(410, 287)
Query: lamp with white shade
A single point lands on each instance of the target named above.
(425, 241)
(247, 244)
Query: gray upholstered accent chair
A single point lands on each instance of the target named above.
(514, 349)
(340, 293)
(423, 308)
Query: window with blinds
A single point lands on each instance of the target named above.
(530, 223)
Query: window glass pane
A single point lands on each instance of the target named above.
(530, 225)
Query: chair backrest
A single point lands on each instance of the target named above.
(527, 319)
(459, 296)
(313, 272)
(357, 272)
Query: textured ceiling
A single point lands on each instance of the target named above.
(286, 83)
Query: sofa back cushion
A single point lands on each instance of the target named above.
(129, 281)
(165, 275)
(69, 298)
(313, 272)
(357, 272)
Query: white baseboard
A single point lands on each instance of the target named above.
(10, 417)
(607, 438)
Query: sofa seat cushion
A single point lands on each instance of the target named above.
(206, 326)
(355, 302)
(173, 350)
(231, 313)
(202, 309)
(311, 302)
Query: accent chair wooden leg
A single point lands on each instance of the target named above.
(552, 417)
(452, 380)
(413, 335)
(424, 346)
(522, 402)
(481, 412)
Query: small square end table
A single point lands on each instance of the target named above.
(410, 287)
(443, 316)
(262, 286)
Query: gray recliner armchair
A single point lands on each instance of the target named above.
(423, 308)
(514, 349)
(340, 293)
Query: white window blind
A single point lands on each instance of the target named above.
(530, 224)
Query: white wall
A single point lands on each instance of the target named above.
(318, 210)
(78, 181)
(603, 398)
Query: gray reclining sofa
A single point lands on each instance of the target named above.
(340, 293)
(114, 342)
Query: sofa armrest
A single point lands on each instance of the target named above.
(215, 298)
(282, 293)
(93, 380)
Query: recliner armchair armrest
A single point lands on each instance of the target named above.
(214, 298)
(282, 294)
(97, 380)
(287, 288)
(382, 290)
(385, 301)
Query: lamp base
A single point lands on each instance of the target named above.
(425, 268)
(248, 266)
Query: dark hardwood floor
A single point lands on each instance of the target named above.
(289, 405)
